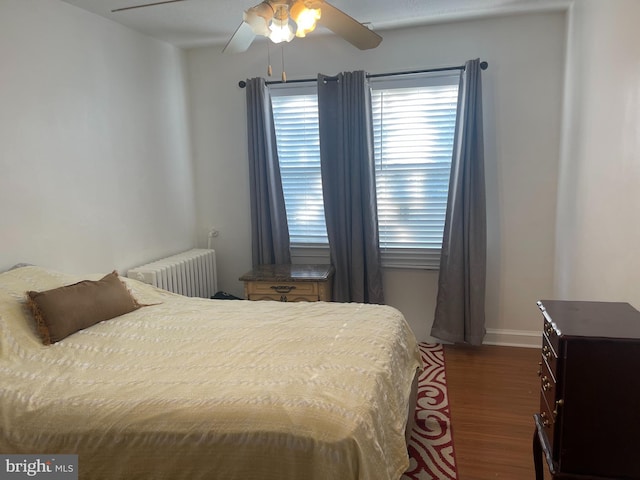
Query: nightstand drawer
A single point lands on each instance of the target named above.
(283, 288)
(284, 298)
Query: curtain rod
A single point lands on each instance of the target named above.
(483, 66)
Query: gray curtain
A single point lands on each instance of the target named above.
(348, 185)
(460, 315)
(269, 228)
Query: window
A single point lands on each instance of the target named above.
(414, 122)
(295, 112)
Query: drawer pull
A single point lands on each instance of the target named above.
(559, 403)
(546, 351)
(546, 384)
(545, 420)
(283, 288)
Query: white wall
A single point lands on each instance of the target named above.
(599, 192)
(522, 99)
(95, 162)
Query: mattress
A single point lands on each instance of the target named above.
(188, 388)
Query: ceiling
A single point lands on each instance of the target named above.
(192, 23)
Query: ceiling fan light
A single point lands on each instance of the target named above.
(282, 29)
(305, 18)
(281, 34)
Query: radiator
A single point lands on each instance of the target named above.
(191, 273)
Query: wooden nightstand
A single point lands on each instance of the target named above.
(289, 283)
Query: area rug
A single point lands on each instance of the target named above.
(431, 445)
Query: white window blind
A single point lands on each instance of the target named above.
(295, 113)
(414, 122)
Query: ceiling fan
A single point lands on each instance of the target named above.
(282, 20)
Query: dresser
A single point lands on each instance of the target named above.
(289, 283)
(588, 426)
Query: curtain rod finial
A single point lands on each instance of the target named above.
(484, 65)
(242, 84)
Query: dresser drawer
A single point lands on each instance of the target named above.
(550, 357)
(548, 391)
(553, 337)
(548, 422)
(548, 388)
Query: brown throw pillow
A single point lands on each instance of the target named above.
(62, 311)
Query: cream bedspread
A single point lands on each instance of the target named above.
(209, 389)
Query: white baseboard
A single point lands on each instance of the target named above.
(513, 338)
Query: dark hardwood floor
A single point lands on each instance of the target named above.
(493, 393)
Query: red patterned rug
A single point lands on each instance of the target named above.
(431, 445)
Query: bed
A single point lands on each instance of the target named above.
(186, 388)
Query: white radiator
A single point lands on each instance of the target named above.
(191, 273)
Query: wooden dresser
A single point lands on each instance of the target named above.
(289, 283)
(588, 426)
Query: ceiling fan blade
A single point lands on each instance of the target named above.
(241, 39)
(348, 28)
(145, 5)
